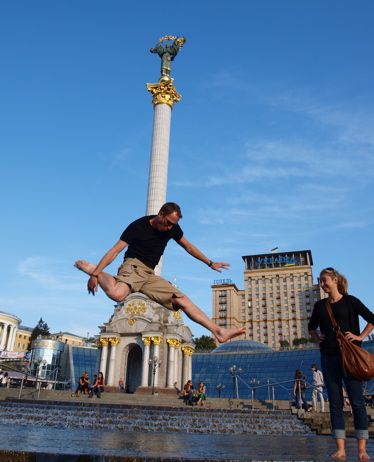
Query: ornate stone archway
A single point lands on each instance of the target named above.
(139, 324)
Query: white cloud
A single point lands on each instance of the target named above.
(52, 274)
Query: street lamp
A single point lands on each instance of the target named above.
(235, 372)
(253, 383)
(154, 363)
(220, 387)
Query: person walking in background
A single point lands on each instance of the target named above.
(299, 391)
(317, 388)
(146, 239)
(346, 310)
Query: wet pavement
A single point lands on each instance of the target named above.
(43, 444)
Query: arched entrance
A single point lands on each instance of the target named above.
(134, 368)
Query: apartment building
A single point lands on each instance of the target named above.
(277, 299)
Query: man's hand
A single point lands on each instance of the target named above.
(92, 285)
(218, 266)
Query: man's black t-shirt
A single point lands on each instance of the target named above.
(146, 243)
(346, 313)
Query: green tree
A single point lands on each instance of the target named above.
(40, 329)
(204, 343)
(284, 343)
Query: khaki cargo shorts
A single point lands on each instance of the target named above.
(142, 279)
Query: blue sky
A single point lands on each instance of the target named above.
(271, 145)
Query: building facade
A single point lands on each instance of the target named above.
(22, 342)
(9, 324)
(277, 300)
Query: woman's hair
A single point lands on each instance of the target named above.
(299, 374)
(342, 280)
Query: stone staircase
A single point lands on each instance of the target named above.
(191, 419)
(320, 421)
(139, 399)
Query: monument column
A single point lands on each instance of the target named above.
(165, 96)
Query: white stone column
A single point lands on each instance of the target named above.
(174, 344)
(170, 369)
(145, 367)
(104, 356)
(112, 360)
(165, 96)
(185, 373)
(158, 169)
(177, 366)
(12, 337)
(4, 336)
(190, 366)
(156, 353)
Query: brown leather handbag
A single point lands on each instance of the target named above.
(357, 362)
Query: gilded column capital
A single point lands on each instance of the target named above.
(188, 351)
(114, 341)
(156, 340)
(146, 340)
(177, 315)
(164, 92)
(174, 342)
(104, 342)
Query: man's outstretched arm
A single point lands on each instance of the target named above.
(195, 252)
(107, 259)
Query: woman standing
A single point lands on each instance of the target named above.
(346, 310)
(299, 387)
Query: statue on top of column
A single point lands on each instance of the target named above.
(168, 52)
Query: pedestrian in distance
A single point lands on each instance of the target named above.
(145, 240)
(317, 392)
(346, 310)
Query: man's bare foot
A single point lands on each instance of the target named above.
(363, 456)
(225, 334)
(338, 455)
(85, 266)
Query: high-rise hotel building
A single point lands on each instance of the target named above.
(277, 299)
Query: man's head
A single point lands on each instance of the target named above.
(314, 367)
(167, 217)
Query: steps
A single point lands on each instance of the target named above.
(320, 421)
(92, 415)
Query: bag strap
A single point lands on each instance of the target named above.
(333, 320)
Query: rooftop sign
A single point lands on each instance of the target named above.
(278, 260)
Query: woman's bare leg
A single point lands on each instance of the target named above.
(362, 454)
(340, 449)
(222, 334)
(117, 291)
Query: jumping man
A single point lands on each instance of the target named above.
(146, 239)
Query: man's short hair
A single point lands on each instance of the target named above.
(170, 207)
